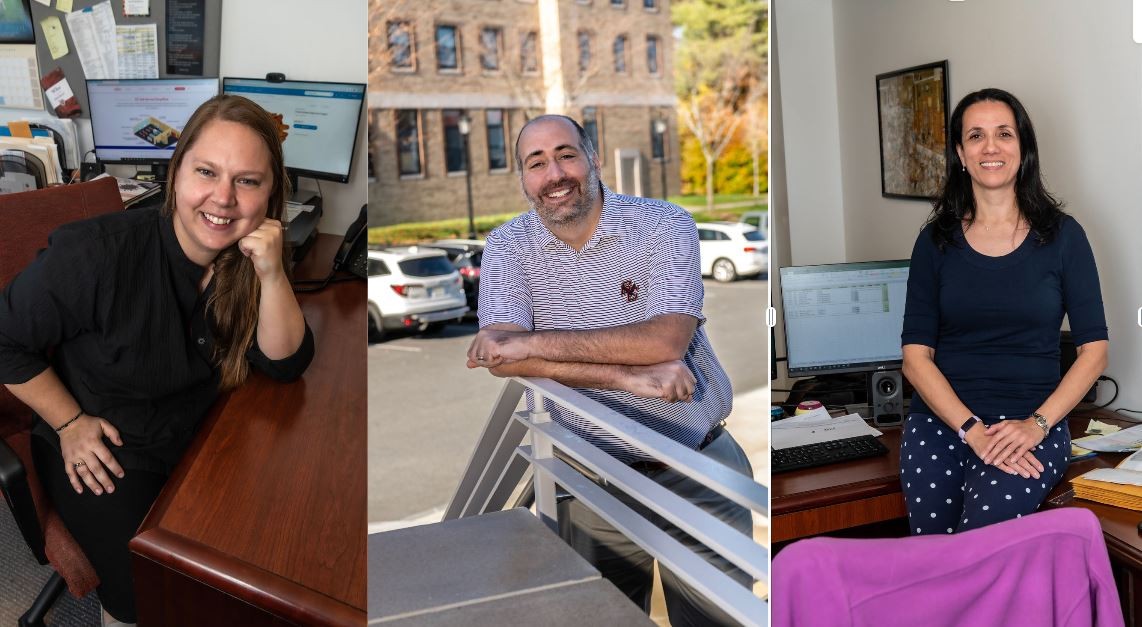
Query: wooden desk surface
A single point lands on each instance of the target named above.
(268, 504)
(839, 496)
(1119, 525)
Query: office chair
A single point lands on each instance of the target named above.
(1048, 568)
(26, 220)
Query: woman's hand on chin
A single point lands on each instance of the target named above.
(264, 247)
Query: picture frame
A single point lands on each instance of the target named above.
(16, 22)
(912, 116)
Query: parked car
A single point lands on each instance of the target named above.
(731, 249)
(465, 255)
(412, 287)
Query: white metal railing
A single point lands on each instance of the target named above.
(501, 459)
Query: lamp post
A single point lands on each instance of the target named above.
(465, 128)
(660, 127)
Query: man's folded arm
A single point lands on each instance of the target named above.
(661, 339)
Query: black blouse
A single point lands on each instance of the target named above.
(113, 306)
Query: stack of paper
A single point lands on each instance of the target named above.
(132, 191)
(1123, 441)
(817, 426)
(1120, 487)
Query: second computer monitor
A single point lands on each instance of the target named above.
(844, 317)
(319, 120)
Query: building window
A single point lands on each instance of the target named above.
(497, 139)
(528, 54)
(620, 54)
(657, 141)
(650, 5)
(652, 54)
(454, 157)
(401, 52)
(374, 131)
(409, 153)
(591, 125)
(491, 44)
(618, 4)
(447, 47)
(584, 51)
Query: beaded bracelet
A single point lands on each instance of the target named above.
(64, 425)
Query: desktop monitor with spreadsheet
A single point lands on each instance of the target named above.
(139, 121)
(844, 317)
(319, 120)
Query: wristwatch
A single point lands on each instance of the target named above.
(1041, 420)
(967, 427)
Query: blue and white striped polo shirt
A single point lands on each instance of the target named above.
(642, 261)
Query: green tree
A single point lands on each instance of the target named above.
(720, 61)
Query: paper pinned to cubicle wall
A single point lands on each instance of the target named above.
(53, 34)
(93, 32)
(137, 50)
(20, 77)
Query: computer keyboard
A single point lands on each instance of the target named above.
(821, 453)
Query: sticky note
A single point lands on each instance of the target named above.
(64, 5)
(53, 34)
(20, 129)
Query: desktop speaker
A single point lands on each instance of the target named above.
(886, 397)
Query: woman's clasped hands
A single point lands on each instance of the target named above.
(1007, 445)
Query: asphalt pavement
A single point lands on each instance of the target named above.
(426, 410)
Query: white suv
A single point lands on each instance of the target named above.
(732, 249)
(412, 288)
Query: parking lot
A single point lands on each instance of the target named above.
(426, 410)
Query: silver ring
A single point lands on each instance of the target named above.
(79, 463)
(479, 358)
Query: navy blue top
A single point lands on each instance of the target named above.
(994, 321)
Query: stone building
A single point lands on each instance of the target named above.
(438, 67)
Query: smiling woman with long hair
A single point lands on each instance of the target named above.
(123, 331)
(992, 274)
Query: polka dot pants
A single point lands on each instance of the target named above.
(948, 489)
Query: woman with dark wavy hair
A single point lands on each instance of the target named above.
(121, 334)
(993, 272)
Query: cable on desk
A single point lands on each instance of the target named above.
(311, 284)
(1130, 418)
(1112, 398)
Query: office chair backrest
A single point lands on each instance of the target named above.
(26, 220)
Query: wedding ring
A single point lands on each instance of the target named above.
(79, 463)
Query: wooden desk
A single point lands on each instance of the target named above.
(841, 496)
(263, 522)
(1119, 526)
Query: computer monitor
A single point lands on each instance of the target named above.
(138, 121)
(844, 317)
(320, 120)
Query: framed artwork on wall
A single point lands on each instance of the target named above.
(912, 112)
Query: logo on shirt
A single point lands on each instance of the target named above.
(630, 290)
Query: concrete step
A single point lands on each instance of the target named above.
(501, 568)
